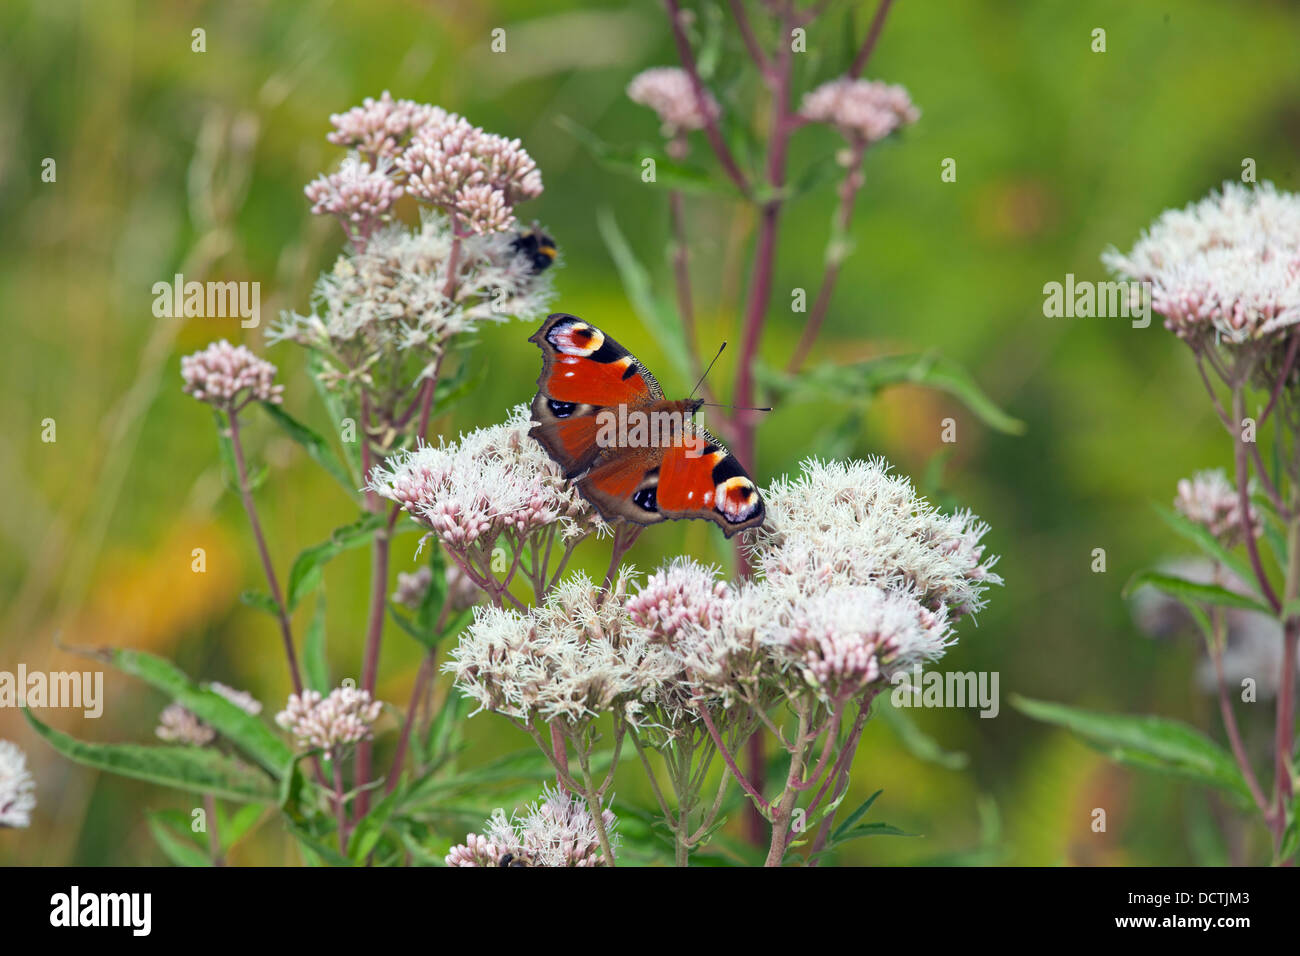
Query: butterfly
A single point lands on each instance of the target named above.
(632, 453)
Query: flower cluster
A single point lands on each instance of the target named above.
(669, 92)
(17, 788)
(178, 725)
(477, 178)
(381, 127)
(357, 194)
(229, 376)
(492, 480)
(391, 295)
(574, 658)
(332, 723)
(557, 831)
(864, 111)
(856, 523)
(1228, 264)
(1209, 499)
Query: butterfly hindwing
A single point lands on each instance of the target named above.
(701, 479)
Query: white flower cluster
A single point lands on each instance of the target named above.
(557, 831)
(1229, 263)
(337, 721)
(17, 788)
(574, 658)
(668, 91)
(222, 373)
(857, 577)
(1209, 499)
(864, 111)
(390, 294)
(856, 523)
(178, 725)
(492, 480)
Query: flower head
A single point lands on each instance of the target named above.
(1229, 263)
(390, 296)
(1209, 499)
(669, 92)
(856, 523)
(556, 831)
(381, 127)
(492, 480)
(358, 194)
(178, 725)
(474, 176)
(229, 376)
(864, 111)
(574, 658)
(332, 723)
(17, 788)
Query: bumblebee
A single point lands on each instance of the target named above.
(536, 247)
(509, 859)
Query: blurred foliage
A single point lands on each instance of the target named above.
(174, 161)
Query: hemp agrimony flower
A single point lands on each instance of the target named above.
(17, 788)
(1228, 264)
(863, 111)
(228, 377)
(556, 831)
(332, 723)
(1209, 499)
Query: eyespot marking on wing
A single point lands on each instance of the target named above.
(575, 337)
(737, 499)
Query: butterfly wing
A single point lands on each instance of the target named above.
(691, 476)
(695, 477)
(583, 371)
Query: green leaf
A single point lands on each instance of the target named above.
(194, 769)
(180, 850)
(261, 601)
(918, 743)
(657, 314)
(338, 411)
(1201, 537)
(1192, 591)
(241, 728)
(240, 823)
(1153, 743)
(860, 382)
(226, 452)
(371, 826)
(856, 815)
(310, 842)
(314, 445)
(307, 571)
(315, 663)
(872, 829)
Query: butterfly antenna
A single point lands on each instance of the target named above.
(708, 370)
(738, 408)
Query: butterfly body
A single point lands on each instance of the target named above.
(632, 453)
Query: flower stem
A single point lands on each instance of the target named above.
(250, 508)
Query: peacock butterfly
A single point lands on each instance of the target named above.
(632, 453)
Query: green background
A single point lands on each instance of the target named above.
(174, 161)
